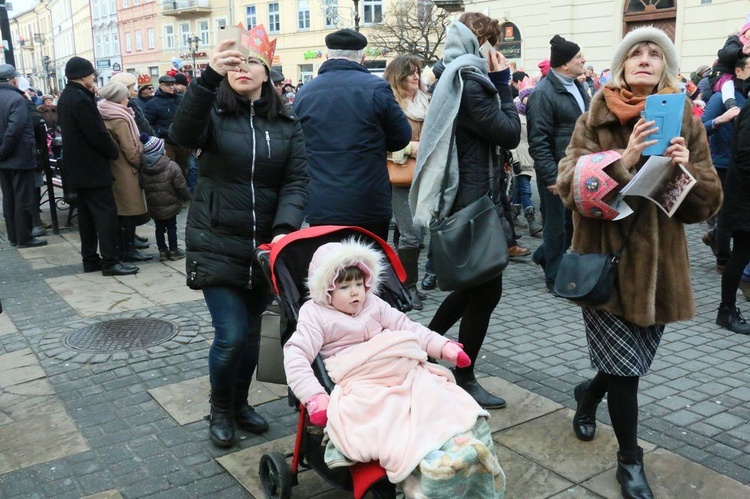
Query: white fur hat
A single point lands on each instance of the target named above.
(647, 34)
(331, 258)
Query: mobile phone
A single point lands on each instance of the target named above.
(666, 111)
(486, 49)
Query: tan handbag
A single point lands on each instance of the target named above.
(401, 175)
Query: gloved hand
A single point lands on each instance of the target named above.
(317, 407)
(453, 352)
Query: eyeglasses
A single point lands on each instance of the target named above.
(278, 84)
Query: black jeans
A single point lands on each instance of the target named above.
(19, 203)
(556, 233)
(473, 306)
(170, 227)
(738, 259)
(97, 222)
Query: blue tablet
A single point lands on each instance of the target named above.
(666, 110)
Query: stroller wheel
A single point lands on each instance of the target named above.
(276, 476)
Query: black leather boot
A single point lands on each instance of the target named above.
(220, 422)
(410, 259)
(244, 414)
(631, 475)
(467, 381)
(584, 421)
(730, 317)
(129, 252)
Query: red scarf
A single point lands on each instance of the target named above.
(627, 106)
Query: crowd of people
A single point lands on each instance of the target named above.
(257, 157)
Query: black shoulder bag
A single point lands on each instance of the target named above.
(590, 279)
(468, 247)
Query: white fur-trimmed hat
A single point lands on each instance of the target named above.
(647, 34)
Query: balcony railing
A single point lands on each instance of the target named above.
(178, 6)
(450, 5)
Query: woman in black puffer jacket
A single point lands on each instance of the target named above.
(252, 189)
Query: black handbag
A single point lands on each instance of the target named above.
(468, 247)
(589, 279)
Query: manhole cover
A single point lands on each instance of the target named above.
(120, 334)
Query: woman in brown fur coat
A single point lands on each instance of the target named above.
(653, 287)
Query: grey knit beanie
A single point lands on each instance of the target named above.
(647, 34)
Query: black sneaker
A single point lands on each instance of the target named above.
(730, 317)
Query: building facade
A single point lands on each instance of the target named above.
(107, 60)
(153, 36)
(34, 49)
(698, 27)
(140, 44)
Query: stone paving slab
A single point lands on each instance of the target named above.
(670, 475)
(93, 294)
(244, 466)
(527, 479)
(523, 405)
(187, 402)
(59, 251)
(6, 325)
(34, 426)
(550, 441)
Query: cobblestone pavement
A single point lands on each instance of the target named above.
(695, 402)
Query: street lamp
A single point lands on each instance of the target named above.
(194, 44)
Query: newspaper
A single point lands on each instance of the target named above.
(661, 183)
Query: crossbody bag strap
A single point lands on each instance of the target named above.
(618, 253)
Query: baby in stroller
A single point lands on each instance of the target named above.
(389, 404)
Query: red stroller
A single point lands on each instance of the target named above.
(285, 265)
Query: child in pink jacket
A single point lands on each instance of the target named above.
(389, 404)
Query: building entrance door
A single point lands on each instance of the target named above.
(658, 13)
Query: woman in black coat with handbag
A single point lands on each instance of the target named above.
(251, 190)
(486, 118)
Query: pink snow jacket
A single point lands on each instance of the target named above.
(321, 329)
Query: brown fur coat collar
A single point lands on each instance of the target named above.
(654, 272)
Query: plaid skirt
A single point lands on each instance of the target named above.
(617, 346)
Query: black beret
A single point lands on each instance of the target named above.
(346, 39)
(7, 72)
(561, 51)
(78, 67)
(167, 79)
(276, 76)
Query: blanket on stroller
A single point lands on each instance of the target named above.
(465, 467)
(390, 405)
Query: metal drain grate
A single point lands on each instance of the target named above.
(120, 335)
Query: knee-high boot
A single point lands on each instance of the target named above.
(244, 414)
(410, 259)
(220, 422)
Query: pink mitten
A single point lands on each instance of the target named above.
(317, 407)
(453, 352)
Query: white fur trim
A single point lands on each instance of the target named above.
(330, 258)
(647, 34)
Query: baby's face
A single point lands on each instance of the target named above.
(349, 296)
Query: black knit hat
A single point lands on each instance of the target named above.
(561, 51)
(78, 67)
(346, 39)
(181, 79)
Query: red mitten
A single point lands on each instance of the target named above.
(453, 352)
(317, 407)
